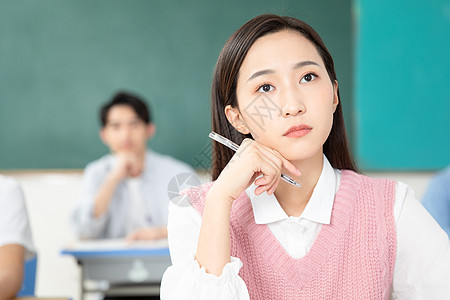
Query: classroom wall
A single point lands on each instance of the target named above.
(61, 59)
(402, 95)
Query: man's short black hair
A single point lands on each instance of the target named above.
(133, 101)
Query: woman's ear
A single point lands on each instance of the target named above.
(235, 118)
(335, 95)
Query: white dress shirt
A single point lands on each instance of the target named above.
(137, 202)
(137, 216)
(14, 223)
(422, 268)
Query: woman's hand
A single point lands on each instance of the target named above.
(251, 161)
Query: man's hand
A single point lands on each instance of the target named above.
(147, 234)
(128, 164)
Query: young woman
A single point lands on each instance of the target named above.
(249, 235)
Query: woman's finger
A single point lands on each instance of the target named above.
(286, 164)
(272, 189)
(271, 177)
(276, 156)
(271, 174)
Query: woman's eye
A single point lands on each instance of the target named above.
(265, 88)
(308, 77)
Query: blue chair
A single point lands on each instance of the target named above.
(29, 278)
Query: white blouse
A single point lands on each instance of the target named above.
(422, 267)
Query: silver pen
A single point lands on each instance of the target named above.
(233, 146)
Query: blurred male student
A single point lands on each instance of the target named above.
(124, 194)
(16, 244)
(437, 198)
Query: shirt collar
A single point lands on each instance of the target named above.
(267, 209)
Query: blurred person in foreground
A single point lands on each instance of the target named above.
(16, 244)
(437, 199)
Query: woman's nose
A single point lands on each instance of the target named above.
(292, 103)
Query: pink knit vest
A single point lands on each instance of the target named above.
(352, 258)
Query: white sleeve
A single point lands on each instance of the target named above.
(185, 279)
(84, 224)
(422, 267)
(14, 223)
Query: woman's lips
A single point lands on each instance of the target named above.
(298, 131)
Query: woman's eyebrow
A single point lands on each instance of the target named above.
(259, 73)
(271, 71)
(305, 63)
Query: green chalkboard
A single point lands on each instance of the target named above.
(402, 101)
(61, 59)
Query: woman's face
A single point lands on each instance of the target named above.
(285, 97)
